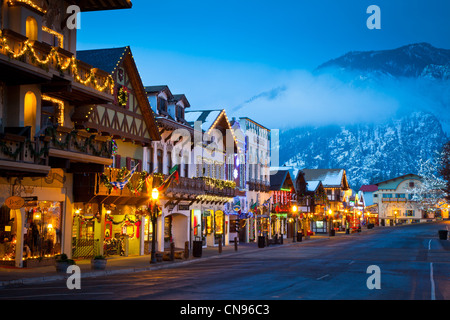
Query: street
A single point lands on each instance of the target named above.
(413, 263)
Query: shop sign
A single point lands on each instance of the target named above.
(15, 203)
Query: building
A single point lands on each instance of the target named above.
(254, 177)
(312, 201)
(173, 152)
(123, 227)
(43, 85)
(337, 189)
(215, 153)
(283, 199)
(395, 201)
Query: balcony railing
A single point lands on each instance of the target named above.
(80, 142)
(49, 58)
(19, 149)
(393, 199)
(258, 185)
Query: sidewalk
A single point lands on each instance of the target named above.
(10, 276)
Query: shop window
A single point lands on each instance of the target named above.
(43, 229)
(7, 235)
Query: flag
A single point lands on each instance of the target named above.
(267, 203)
(173, 175)
(253, 207)
(149, 183)
(120, 185)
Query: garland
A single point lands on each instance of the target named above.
(54, 56)
(218, 183)
(105, 150)
(6, 150)
(105, 180)
(125, 219)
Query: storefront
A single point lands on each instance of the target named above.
(32, 219)
(209, 226)
(113, 231)
(42, 230)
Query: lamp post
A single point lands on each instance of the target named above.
(330, 214)
(294, 213)
(153, 212)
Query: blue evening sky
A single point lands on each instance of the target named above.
(221, 54)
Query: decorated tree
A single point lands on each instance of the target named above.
(430, 194)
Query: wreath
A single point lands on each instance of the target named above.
(122, 96)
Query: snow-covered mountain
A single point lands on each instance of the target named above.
(415, 60)
(418, 76)
(369, 152)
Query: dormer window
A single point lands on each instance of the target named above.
(180, 113)
(162, 105)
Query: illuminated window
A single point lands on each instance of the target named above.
(32, 28)
(30, 106)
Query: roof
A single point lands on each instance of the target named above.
(104, 59)
(260, 125)
(393, 183)
(158, 89)
(312, 185)
(178, 97)
(206, 117)
(108, 60)
(95, 5)
(279, 178)
(369, 188)
(330, 177)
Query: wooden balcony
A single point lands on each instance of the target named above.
(393, 200)
(97, 187)
(76, 146)
(258, 185)
(61, 75)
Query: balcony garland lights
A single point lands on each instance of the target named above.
(54, 55)
(60, 104)
(28, 3)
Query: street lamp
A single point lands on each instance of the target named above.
(294, 213)
(330, 213)
(153, 212)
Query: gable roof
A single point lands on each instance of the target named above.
(104, 59)
(331, 178)
(393, 183)
(158, 89)
(109, 60)
(206, 117)
(280, 178)
(313, 185)
(182, 97)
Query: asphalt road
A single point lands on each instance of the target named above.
(413, 263)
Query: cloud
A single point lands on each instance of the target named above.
(307, 99)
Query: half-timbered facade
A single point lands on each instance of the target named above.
(119, 193)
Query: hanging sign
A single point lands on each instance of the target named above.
(15, 203)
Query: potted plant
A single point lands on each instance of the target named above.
(63, 262)
(98, 262)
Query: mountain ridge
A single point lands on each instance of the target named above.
(373, 152)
